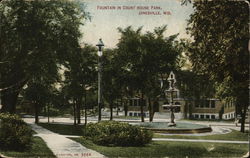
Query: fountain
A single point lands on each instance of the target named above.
(172, 80)
(180, 127)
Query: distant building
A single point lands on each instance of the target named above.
(208, 108)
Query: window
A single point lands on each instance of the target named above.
(202, 116)
(135, 114)
(226, 116)
(177, 103)
(232, 103)
(212, 116)
(130, 114)
(207, 103)
(212, 103)
(202, 103)
(196, 104)
(207, 117)
(130, 102)
(135, 102)
(196, 116)
(144, 102)
(139, 114)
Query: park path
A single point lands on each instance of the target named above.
(63, 147)
(200, 140)
(186, 140)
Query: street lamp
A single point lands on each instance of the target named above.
(99, 53)
(171, 79)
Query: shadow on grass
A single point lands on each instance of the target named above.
(38, 149)
(64, 129)
(170, 149)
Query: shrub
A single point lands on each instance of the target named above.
(117, 134)
(15, 134)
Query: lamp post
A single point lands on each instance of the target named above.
(99, 45)
(171, 79)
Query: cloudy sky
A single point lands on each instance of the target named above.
(108, 15)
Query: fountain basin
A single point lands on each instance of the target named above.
(180, 128)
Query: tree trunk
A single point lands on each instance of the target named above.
(48, 112)
(85, 111)
(185, 109)
(141, 105)
(117, 108)
(74, 111)
(111, 110)
(243, 119)
(126, 107)
(78, 112)
(9, 100)
(36, 112)
(150, 109)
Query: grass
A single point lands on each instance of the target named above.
(64, 129)
(78, 131)
(234, 135)
(170, 149)
(38, 149)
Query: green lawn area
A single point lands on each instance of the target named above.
(78, 130)
(38, 149)
(68, 129)
(170, 149)
(234, 135)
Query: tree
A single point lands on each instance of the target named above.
(39, 93)
(111, 83)
(144, 59)
(79, 73)
(220, 47)
(36, 37)
(160, 56)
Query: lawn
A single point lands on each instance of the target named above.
(234, 135)
(78, 130)
(163, 148)
(170, 149)
(63, 129)
(38, 149)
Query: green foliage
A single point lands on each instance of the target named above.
(38, 149)
(15, 134)
(220, 47)
(37, 37)
(117, 134)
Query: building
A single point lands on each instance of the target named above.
(208, 108)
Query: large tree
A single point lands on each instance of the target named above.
(79, 73)
(144, 59)
(36, 37)
(220, 32)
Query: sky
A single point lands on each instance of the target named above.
(106, 17)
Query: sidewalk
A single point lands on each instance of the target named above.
(200, 140)
(185, 140)
(63, 147)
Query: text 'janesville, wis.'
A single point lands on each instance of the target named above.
(142, 10)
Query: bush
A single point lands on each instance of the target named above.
(15, 134)
(112, 133)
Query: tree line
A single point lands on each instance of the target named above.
(42, 61)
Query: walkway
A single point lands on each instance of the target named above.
(185, 140)
(61, 146)
(200, 140)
